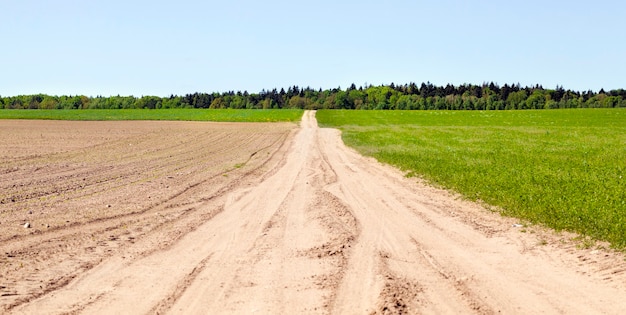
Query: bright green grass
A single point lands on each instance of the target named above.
(230, 115)
(562, 168)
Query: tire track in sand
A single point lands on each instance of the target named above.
(329, 231)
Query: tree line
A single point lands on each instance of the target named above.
(488, 96)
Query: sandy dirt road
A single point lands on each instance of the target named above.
(315, 228)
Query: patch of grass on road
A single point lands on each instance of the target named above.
(225, 115)
(562, 168)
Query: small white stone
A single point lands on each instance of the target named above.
(27, 225)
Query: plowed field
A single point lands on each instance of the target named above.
(206, 218)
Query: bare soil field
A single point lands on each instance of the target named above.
(210, 218)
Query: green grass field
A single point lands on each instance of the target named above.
(565, 169)
(230, 115)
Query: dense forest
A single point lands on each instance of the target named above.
(408, 96)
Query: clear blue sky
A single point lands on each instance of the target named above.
(138, 47)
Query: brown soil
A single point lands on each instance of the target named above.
(181, 217)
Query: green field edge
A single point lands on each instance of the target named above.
(216, 115)
(567, 169)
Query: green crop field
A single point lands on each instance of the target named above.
(565, 169)
(230, 115)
